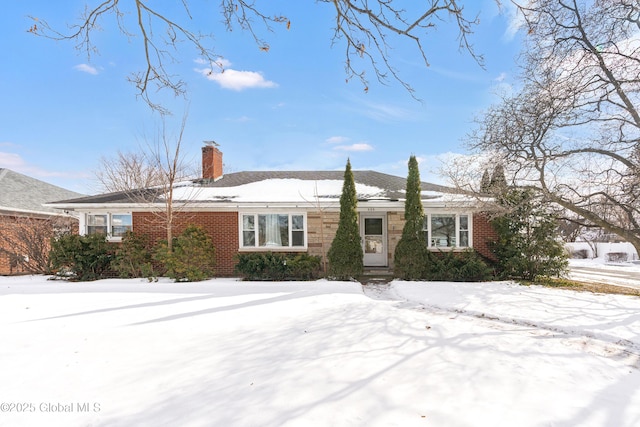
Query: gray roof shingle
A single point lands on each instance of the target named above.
(22, 193)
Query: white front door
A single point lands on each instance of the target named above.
(374, 239)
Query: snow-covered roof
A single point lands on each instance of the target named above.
(269, 187)
(275, 190)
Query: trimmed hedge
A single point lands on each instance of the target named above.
(277, 266)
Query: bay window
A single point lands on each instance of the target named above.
(447, 230)
(272, 231)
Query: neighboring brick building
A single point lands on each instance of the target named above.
(286, 211)
(22, 214)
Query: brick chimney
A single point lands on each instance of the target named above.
(211, 161)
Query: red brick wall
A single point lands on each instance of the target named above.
(222, 227)
(483, 233)
(8, 253)
(27, 236)
(6, 225)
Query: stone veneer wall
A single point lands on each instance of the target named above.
(321, 225)
(325, 224)
(395, 224)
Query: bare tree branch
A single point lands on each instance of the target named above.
(572, 133)
(368, 29)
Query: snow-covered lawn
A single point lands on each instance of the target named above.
(229, 353)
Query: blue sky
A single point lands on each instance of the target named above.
(61, 112)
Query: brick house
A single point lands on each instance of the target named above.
(23, 217)
(286, 211)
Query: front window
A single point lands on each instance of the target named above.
(97, 224)
(447, 230)
(279, 230)
(120, 224)
(113, 225)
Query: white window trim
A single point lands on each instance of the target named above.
(257, 248)
(457, 215)
(84, 225)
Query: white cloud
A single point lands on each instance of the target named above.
(11, 161)
(501, 77)
(241, 119)
(515, 20)
(86, 68)
(336, 140)
(385, 112)
(229, 78)
(16, 163)
(220, 62)
(354, 147)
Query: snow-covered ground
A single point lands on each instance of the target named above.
(229, 353)
(598, 270)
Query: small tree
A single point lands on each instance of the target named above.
(192, 258)
(150, 176)
(411, 256)
(527, 246)
(345, 254)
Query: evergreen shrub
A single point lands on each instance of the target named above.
(134, 256)
(192, 258)
(528, 244)
(412, 257)
(465, 266)
(81, 258)
(277, 266)
(345, 254)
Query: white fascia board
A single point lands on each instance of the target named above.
(14, 211)
(363, 205)
(381, 205)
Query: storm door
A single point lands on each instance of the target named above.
(374, 238)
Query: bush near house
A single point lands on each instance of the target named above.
(81, 258)
(412, 258)
(278, 266)
(192, 258)
(134, 256)
(467, 266)
(91, 257)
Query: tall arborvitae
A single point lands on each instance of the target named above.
(485, 183)
(345, 255)
(411, 256)
(498, 184)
